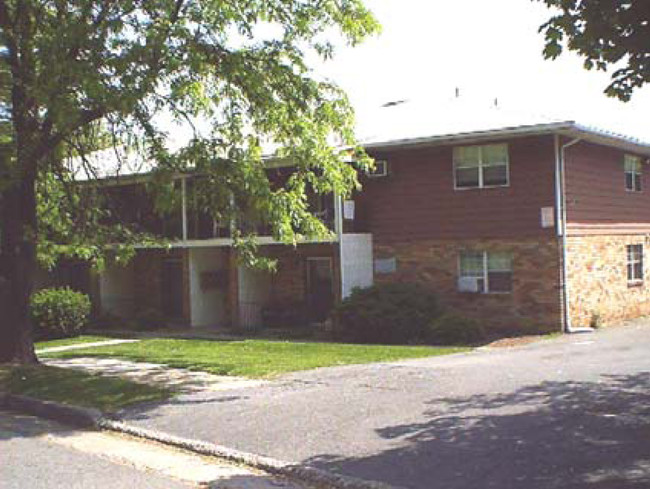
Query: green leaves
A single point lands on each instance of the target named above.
(232, 72)
(607, 34)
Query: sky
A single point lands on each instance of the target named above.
(488, 49)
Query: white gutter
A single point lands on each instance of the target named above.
(560, 203)
(471, 136)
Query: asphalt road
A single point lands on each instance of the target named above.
(28, 460)
(573, 412)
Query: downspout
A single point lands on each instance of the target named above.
(338, 225)
(560, 203)
(184, 208)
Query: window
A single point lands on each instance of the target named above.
(485, 272)
(380, 170)
(634, 264)
(481, 166)
(632, 173)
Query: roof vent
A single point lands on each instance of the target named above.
(393, 103)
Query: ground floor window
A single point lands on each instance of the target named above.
(485, 272)
(634, 264)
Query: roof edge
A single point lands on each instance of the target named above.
(474, 135)
(607, 138)
(568, 128)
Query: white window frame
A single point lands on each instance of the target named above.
(636, 174)
(632, 263)
(486, 270)
(481, 166)
(383, 164)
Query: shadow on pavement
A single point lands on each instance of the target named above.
(554, 435)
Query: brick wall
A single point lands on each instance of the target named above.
(534, 303)
(597, 272)
(289, 282)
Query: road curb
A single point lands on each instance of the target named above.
(73, 415)
(93, 418)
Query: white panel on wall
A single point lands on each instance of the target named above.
(547, 217)
(357, 262)
(207, 304)
(348, 209)
(117, 290)
(385, 265)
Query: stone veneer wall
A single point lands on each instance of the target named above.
(533, 305)
(597, 272)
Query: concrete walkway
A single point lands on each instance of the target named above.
(152, 373)
(78, 346)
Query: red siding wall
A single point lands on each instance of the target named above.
(418, 201)
(595, 186)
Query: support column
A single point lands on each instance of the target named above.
(233, 288)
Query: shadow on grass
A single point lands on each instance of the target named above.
(592, 435)
(78, 388)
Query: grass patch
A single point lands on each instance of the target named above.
(70, 341)
(253, 358)
(76, 387)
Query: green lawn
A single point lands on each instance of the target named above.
(253, 358)
(70, 341)
(76, 387)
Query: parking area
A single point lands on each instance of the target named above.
(567, 412)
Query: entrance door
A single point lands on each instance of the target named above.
(172, 288)
(320, 288)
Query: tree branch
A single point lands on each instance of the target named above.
(51, 141)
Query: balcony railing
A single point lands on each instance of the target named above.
(130, 205)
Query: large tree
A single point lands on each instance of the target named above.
(233, 71)
(608, 34)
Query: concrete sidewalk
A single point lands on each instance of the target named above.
(79, 346)
(178, 379)
(99, 459)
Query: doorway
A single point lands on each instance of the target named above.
(320, 288)
(172, 288)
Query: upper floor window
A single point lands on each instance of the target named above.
(485, 272)
(632, 173)
(481, 166)
(634, 264)
(380, 170)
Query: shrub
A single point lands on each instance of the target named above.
(386, 313)
(454, 329)
(59, 312)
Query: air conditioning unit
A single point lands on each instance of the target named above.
(469, 284)
(381, 169)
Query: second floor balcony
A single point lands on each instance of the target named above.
(183, 219)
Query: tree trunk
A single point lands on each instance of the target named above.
(18, 260)
(19, 230)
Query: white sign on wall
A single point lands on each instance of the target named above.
(348, 209)
(548, 217)
(385, 265)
